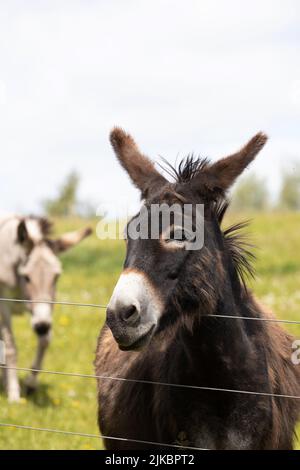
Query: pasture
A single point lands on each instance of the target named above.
(90, 272)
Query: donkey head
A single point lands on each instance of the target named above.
(163, 277)
(41, 268)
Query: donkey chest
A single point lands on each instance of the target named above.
(153, 409)
(211, 420)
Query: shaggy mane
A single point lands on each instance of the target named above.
(237, 244)
(187, 169)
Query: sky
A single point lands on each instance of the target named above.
(195, 76)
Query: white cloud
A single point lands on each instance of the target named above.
(2, 93)
(195, 76)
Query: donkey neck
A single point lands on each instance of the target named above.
(225, 352)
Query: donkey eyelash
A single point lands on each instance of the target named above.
(176, 237)
(178, 233)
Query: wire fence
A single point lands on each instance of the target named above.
(91, 305)
(52, 302)
(138, 381)
(98, 436)
(151, 382)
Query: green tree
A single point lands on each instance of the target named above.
(289, 197)
(65, 204)
(251, 193)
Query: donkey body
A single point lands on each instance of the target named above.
(169, 322)
(29, 269)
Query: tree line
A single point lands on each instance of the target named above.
(67, 203)
(251, 193)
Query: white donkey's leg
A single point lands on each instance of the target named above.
(31, 381)
(2, 356)
(10, 375)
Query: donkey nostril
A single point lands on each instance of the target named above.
(42, 328)
(128, 312)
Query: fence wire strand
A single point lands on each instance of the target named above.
(52, 302)
(150, 382)
(121, 379)
(78, 304)
(96, 436)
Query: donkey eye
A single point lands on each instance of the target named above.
(26, 279)
(176, 235)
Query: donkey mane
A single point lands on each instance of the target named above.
(188, 168)
(236, 241)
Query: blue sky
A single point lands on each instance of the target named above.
(199, 76)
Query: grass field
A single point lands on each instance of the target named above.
(90, 272)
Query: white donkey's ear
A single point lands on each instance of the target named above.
(22, 233)
(69, 239)
(32, 230)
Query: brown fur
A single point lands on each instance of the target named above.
(222, 174)
(139, 167)
(193, 344)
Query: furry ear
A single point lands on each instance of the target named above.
(140, 169)
(24, 237)
(221, 175)
(22, 233)
(68, 240)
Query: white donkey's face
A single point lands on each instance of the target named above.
(39, 272)
(38, 278)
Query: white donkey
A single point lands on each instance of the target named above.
(29, 268)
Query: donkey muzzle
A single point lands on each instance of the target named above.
(42, 328)
(133, 311)
(128, 328)
(41, 320)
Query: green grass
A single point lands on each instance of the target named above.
(90, 272)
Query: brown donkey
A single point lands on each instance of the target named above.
(166, 323)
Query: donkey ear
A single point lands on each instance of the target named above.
(221, 175)
(22, 233)
(140, 169)
(68, 240)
